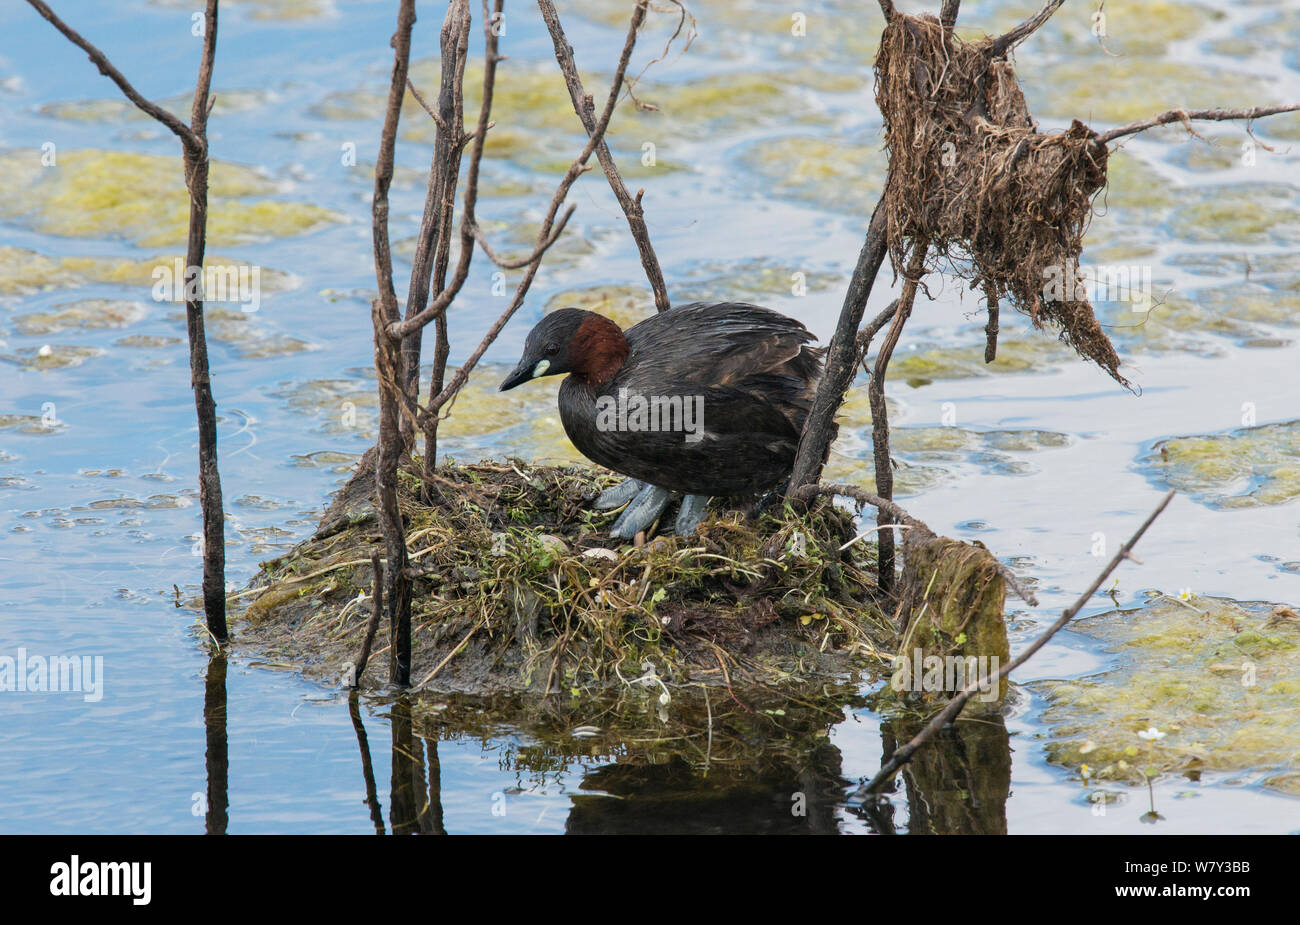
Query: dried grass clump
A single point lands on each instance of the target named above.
(972, 180)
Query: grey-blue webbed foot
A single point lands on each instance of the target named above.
(641, 512)
(618, 495)
(693, 509)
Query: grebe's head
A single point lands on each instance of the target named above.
(571, 340)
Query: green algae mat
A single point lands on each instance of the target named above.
(1200, 684)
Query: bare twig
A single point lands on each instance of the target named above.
(1004, 43)
(841, 360)
(194, 148)
(388, 361)
(1185, 115)
(424, 104)
(583, 107)
(468, 230)
(544, 234)
(683, 17)
(991, 329)
(900, 516)
(376, 614)
(440, 197)
(197, 165)
(903, 755)
(862, 496)
(880, 415)
(868, 333)
(533, 256)
(184, 132)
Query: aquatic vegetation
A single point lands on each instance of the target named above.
(1081, 87)
(624, 304)
(1254, 213)
(92, 193)
(756, 280)
(52, 356)
(1035, 353)
(522, 589)
(1243, 468)
(277, 10)
(116, 109)
(830, 173)
(925, 457)
(24, 271)
(1217, 677)
(482, 421)
(28, 424)
(81, 315)
(249, 338)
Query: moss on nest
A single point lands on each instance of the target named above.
(523, 591)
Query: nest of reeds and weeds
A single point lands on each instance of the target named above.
(972, 181)
(521, 589)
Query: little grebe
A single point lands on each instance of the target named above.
(705, 399)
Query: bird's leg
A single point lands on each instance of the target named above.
(618, 495)
(641, 513)
(693, 509)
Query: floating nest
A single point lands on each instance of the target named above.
(521, 590)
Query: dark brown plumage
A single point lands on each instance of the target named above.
(748, 368)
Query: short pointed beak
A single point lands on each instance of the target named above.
(522, 373)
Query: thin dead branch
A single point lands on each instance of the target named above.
(100, 60)
(376, 614)
(583, 106)
(842, 358)
(1004, 43)
(880, 418)
(903, 755)
(388, 361)
(544, 234)
(194, 149)
(1200, 115)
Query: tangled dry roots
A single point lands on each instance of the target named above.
(972, 179)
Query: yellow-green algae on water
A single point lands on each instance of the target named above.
(23, 271)
(1218, 680)
(1032, 353)
(1247, 467)
(117, 109)
(829, 173)
(80, 315)
(98, 194)
(1101, 89)
(1132, 27)
(275, 10)
(924, 457)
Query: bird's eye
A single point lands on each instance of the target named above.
(552, 349)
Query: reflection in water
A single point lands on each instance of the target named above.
(674, 798)
(959, 783)
(367, 769)
(783, 779)
(412, 809)
(217, 758)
